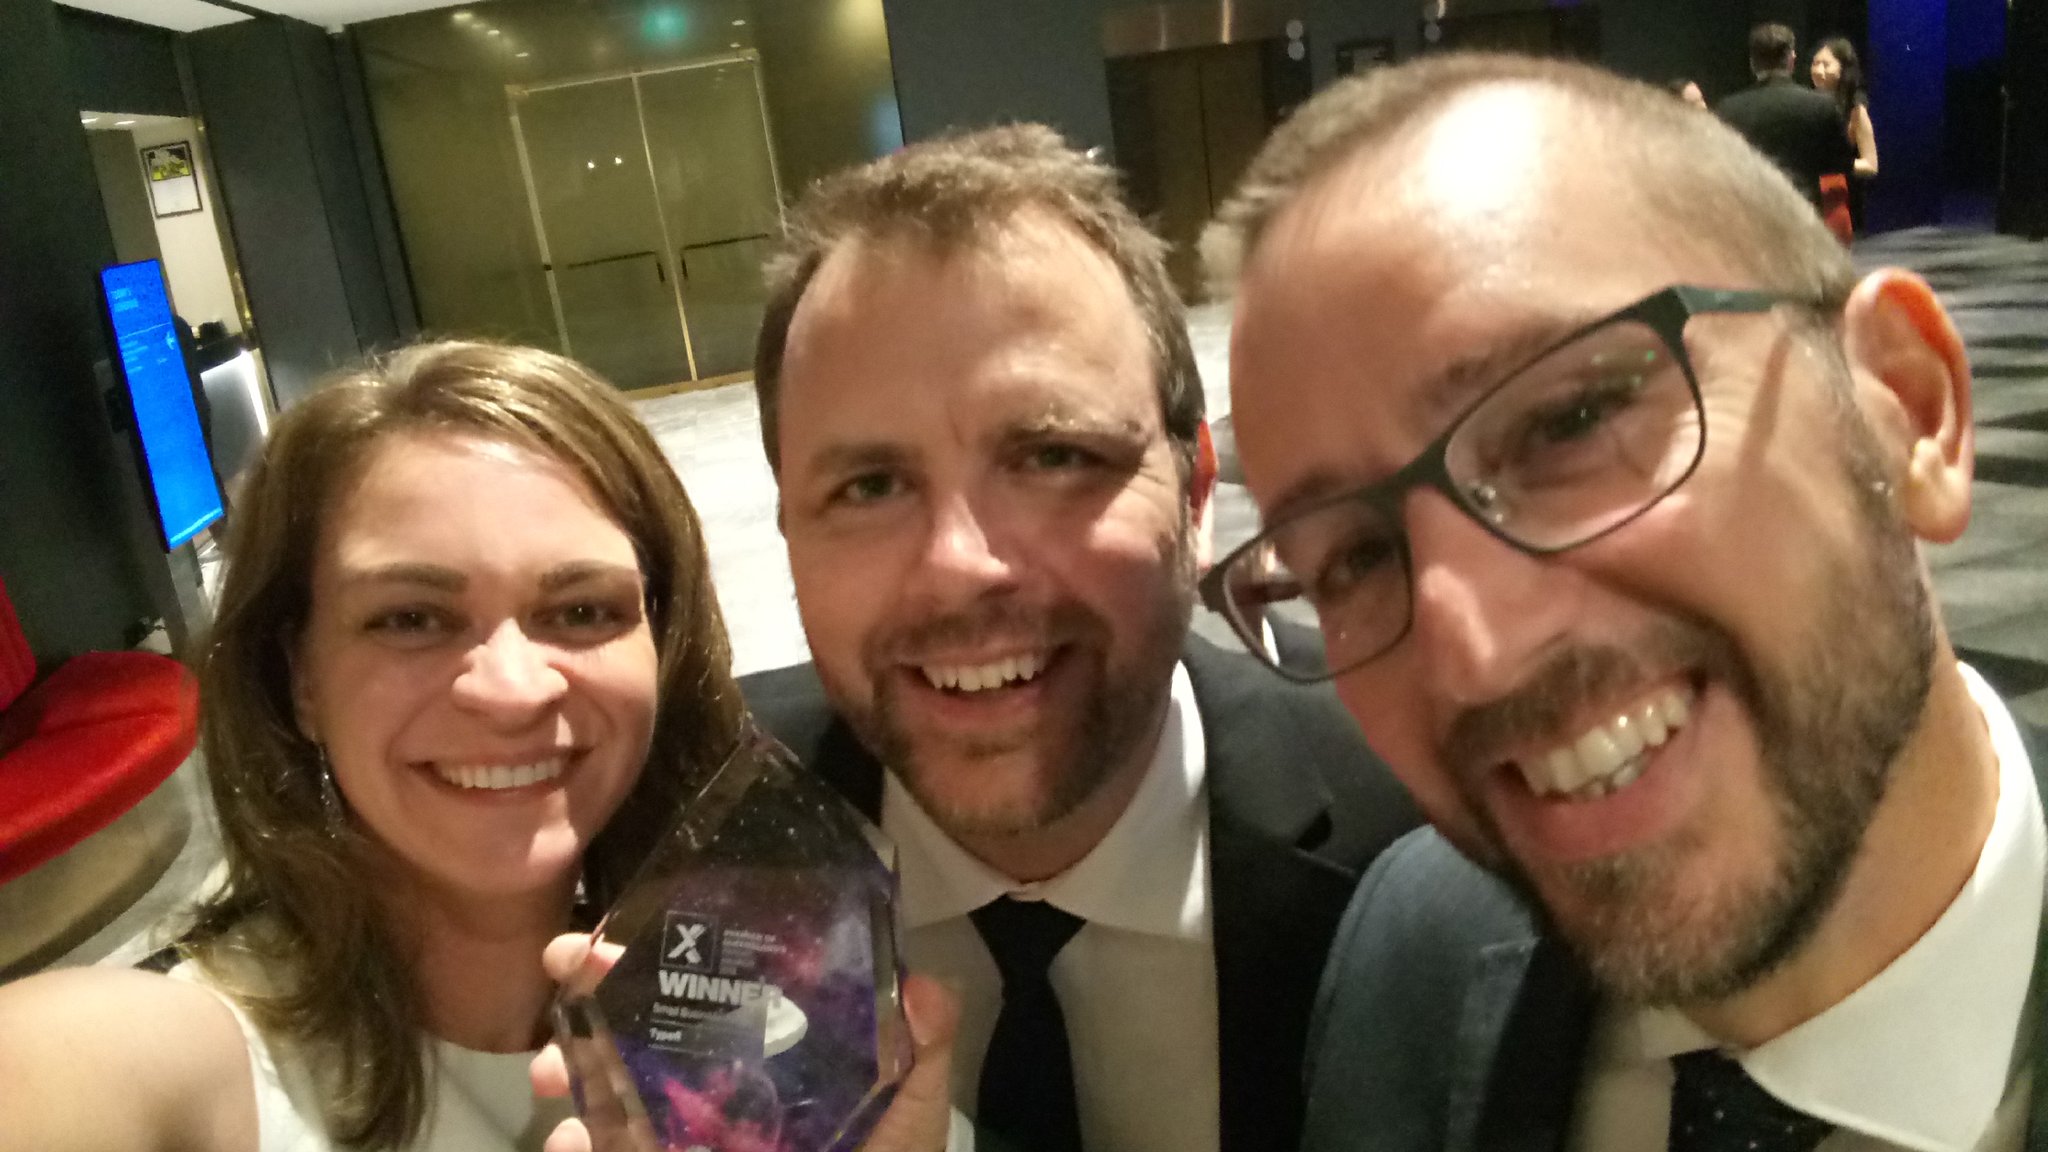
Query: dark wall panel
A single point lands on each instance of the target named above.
(67, 549)
(2023, 199)
(116, 65)
(1653, 40)
(1975, 113)
(830, 92)
(343, 194)
(1704, 42)
(381, 214)
(271, 147)
(968, 63)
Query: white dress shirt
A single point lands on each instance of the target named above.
(1137, 984)
(1928, 1055)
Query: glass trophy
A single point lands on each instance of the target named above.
(744, 994)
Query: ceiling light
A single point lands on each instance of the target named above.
(618, 159)
(739, 23)
(492, 32)
(522, 55)
(665, 24)
(90, 119)
(463, 16)
(123, 123)
(736, 44)
(590, 164)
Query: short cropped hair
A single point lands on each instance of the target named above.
(1771, 48)
(953, 192)
(1689, 169)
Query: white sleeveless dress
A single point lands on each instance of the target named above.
(478, 1101)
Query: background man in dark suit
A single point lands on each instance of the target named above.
(1609, 500)
(1798, 128)
(982, 411)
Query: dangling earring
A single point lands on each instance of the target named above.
(330, 796)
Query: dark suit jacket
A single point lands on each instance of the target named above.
(1449, 1020)
(1298, 807)
(1798, 128)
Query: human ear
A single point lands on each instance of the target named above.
(1898, 336)
(303, 696)
(1201, 489)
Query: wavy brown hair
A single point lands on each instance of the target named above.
(296, 933)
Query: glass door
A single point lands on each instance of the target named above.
(601, 236)
(655, 199)
(714, 175)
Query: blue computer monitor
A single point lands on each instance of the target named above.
(157, 381)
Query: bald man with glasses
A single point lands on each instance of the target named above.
(1604, 477)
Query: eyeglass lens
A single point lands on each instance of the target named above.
(1571, 447)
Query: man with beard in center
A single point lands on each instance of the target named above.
(1604, 475)
(1124, 849)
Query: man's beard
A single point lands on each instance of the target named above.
(1829, 730)
(1075, 751)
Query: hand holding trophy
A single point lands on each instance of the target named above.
(745, 993)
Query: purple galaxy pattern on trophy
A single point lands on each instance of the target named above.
(756, 1006)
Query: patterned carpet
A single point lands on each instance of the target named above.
(1994, 581)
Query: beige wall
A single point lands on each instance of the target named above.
(191, 243)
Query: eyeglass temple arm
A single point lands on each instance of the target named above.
(1697, 299)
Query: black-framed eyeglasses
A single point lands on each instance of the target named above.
(1579, 441)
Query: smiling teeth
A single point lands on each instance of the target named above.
(492, 777)
(1610, 756)
(981, 677)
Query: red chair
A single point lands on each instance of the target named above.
(79, 752)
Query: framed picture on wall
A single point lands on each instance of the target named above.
(173, 184)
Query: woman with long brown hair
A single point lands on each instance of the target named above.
(1837, 72)
(467, 660)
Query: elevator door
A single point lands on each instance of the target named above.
(654, 196)
(1186, 123)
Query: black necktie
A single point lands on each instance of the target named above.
(1027, 1078)
(1716, 1107)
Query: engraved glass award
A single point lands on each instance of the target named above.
(744, 994)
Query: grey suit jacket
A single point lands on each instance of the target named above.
(1449, 1020)
(1298, 807)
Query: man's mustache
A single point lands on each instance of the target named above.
(1539, 712)
(1007, 621)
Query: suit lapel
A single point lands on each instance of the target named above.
(1528, 1015)
(1530, 1004)
(1273, 904)
(848, 766)
(1521, 1049)
(790, 703)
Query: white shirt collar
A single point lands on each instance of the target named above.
(1150, 874)
(1921, 1054)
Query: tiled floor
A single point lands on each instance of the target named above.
(1993, 582)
